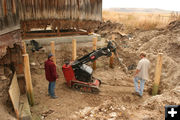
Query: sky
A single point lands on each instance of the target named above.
(173, 5)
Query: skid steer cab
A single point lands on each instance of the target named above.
(79, 76)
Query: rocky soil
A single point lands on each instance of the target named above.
(115, 100)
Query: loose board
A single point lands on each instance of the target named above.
(14, 93)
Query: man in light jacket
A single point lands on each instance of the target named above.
(141, 74)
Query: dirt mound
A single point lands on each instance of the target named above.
(107, 110)
(156, 105)
(153, 42)
(108, 28)
(115, 100)
(6, 109)
(174, 25)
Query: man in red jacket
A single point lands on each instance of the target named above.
(51, 75)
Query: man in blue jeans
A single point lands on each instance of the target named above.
(51, 75)
(141, 74)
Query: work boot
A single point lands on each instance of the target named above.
(135, 93)
(54, 97)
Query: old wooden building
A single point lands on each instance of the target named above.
(9, 25)
(21, 17)
(60, 14)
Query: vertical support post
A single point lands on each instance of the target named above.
(157, 74)
(111, 60)
(94, 48)
(74, 49)
(58, 32)
(29, 86)
(24, 47)
(5, 7)
(53, 51)
(13, 7)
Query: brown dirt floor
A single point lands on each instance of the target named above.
(115, 100)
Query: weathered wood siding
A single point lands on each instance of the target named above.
(61, 9)
(62, 14)
(9, 13)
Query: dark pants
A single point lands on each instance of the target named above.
(51, 88)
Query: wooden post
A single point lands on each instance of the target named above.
(13, 7)
(29, 86)
(53, 51)
(111, 60)
(73, 49)
(58, 32)
(157, 74)
(24, 47)
(94, 48)
(5, 7)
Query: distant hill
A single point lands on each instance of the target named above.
(149, 10)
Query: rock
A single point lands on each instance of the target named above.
(111, 119)
(33, 63)
(113, 114)
(86, 117)
(123, 108)
(42, 117)
(85, 110)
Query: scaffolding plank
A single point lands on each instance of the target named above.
(14, 93)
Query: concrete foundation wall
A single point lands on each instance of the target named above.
(81, 38)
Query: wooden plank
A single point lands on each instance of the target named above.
(74, 50)
(24, 47)
(10, 29)
(28, 80)
(14, 93)
(157, 74)
(53, 51)
(94, 48)
(111, 60)
(34, 34)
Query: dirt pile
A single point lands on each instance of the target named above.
(152, 42)
(107, 110)
(174, 25)
(166, 41)
(115, 100)
(6, 109)
(108, 28)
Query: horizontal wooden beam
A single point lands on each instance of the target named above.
(53, 34)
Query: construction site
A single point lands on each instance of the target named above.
(77, 33)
